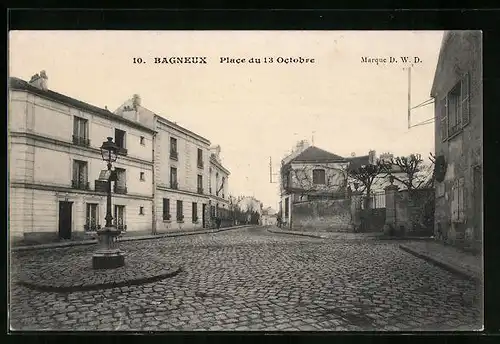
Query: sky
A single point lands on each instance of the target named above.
(255, 112)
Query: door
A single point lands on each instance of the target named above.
(65, 211)
(203, 215)
(120, 217)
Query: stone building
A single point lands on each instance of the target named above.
(457, 91)
(218, 186)
(185, 164)
(54, 162)
(310, 174)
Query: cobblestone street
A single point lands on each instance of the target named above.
(253, 280)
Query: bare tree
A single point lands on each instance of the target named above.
(366, 174)
(299, 179)
(416, 172)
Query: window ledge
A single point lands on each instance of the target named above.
(180, 221)
(452, 136)
(167, 221)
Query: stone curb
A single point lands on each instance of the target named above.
(296, 233)
(99, 286)
(462, 272)
(94, 241)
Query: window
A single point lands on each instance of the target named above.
(121, 181)
(173, 178)
(142, 140)
(217, 184)
(141, 210)
(81, 131)
(142, 176)
(455, 109)
(120, 138)
(454, 113)
(195, 212)
(287, 201)
(166, 209)
(80, 175)
(92, 217)
(200, 158)
(457, 203)
(180, 212)
(319, 177)
(173, 148)
(200, 184)
(222, 186)
(119, 217)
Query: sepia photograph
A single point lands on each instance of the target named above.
(248, 181)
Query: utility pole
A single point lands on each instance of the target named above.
(270, 171)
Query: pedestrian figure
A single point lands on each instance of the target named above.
(218, 222)
(278, 220)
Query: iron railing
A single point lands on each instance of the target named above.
(80, 185)
(81, 141)
(119, 189)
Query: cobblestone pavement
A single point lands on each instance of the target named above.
(254, 280)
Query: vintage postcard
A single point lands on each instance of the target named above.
(245, 181)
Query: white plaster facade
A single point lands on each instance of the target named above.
(42, 154)
(193, 163)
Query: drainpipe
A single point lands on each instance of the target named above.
(153, 183)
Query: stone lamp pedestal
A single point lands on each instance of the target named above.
(108, 256)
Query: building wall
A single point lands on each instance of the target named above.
(301, 177)
(41, 166)
(172, 224)
(461, 53)
(331, 215)
(186, 164)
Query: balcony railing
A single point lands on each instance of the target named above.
(180, 218)
(91, 227)
(81, 141)
(200, 164)
(80, 185)
(174, 155)
(119, 189)
(121, 227)
(200, 191)
(122, 151)
(174, 185)
(166, 217)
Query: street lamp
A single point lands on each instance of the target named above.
(108, 256)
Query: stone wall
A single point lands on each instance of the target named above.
(461, 53)
(328, 215)
(410, 213)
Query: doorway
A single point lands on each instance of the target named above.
(119, 217)
(204, 209)
(65, 219)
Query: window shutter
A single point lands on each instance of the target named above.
(443, 113)
(465, 98)
(75, 171)
(75, 126)
(461, 200)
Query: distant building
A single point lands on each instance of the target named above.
(268, 217)
(310, 173)
(457, 90)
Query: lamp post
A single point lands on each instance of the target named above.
(108, 256)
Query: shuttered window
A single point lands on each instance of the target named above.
(443, 113)
(465, 98)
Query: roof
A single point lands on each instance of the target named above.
(446, 36)
(315, 154)
(19, 84)
(213, 160)
(358, 161)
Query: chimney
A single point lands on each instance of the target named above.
(136, 101)
(371, 157)
(40, 80)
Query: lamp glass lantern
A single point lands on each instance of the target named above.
(356, 186)
(108, 150)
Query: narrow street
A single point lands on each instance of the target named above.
(253, 280)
